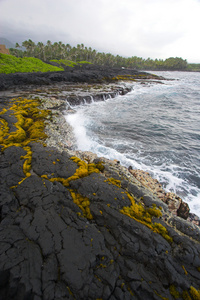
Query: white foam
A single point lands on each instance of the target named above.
(77, 121)
(85, 124)
(194, 203)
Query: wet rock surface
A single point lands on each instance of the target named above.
(51, 247)
(175, 204)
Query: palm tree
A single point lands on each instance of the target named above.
(68, 47)
(89, 54)
(41, 50)
(48, 50)
(17, 45)
(30, 47)
(55, 50)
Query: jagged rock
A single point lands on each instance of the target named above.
(175, 204)
(194, 219)
(86, 155)
(183, 210)
(51, 250)
(89, 74)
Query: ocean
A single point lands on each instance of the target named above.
(155, 128)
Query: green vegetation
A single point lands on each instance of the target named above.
(193, 67)
(66, 62)
(84, 62)
(81, 54)
(12, 64)
(66, 55)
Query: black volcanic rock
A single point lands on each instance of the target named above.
(49, 251)
(52, 249)
(89, 73)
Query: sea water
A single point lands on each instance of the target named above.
(155, 127)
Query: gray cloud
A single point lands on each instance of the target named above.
(156, 29)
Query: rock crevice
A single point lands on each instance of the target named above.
(83, 227)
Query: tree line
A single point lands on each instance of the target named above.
(59, 50)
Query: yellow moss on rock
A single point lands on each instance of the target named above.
(4, 129)
(125, 77)
(174, 292)
(194, 293)
(29, 127)
(84, 169)
(44, 176)
(160, 296)
(114, 181)
(36, 130)
(144, 216)
(83, 203)
(184, 269)
(27, 163)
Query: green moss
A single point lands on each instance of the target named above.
(69, 63)
(12, 64)
(65, 62)
(83, 62)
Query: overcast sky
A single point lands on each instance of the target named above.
(145, 28)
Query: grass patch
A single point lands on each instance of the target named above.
(12, 64)
(69, 63)
(85, 62)
(66, 62)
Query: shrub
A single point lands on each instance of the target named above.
(12, 64)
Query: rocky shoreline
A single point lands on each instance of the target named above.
(76, 226)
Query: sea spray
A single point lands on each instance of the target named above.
(155, 128)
